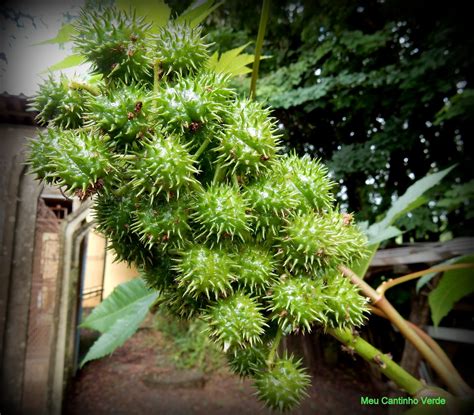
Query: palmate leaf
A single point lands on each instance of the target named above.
(68, 62)
(156, 12)
(383, 230)
(64, 35)
(454, 285)
(118, 317)
(196, 13)
(232, 62)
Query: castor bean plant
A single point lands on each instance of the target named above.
(189, 183)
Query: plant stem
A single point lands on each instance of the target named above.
(433, 345)
(366, 289)
(273, 350)
(203, 146)
(196, 186)
(391, 283)
(385, 364)
(398, 321)
(235, 180)
(84, 86)
(218, 174)
(156, 76)
(258, 47)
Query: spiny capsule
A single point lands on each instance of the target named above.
(205, 272)
(249, 360)
(284, 385)
(159, 275)
(59, 104)
(221, 211)
(249, 141)
(79, 159)
(199, 101)
(162, 224)
(311, 179)
(180, 48)
(345, 306)
(122, 113)
(162, 166)
(256, 268)
(272, 200)
(236, 321)
(298, 303)
(313, 241)
(115, 43)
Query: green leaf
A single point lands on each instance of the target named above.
(68, 62)
(425, 279)
(118, 317)
(156, 12)
(124, 300)
(409, 198)
(232, 62)
(383, 230)
(360, 267)
(387, 233)
(121, 330)
(454, 285)
(196, 13)
(64, 35)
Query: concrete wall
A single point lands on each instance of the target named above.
(18, 205)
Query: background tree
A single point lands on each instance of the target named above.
(381, 90)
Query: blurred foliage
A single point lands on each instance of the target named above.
(188, 344)
(379, 89)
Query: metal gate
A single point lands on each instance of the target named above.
(43, 307)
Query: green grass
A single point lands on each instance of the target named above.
(187, 344)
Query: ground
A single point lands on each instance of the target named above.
(139, 378)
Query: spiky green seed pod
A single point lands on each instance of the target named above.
(249, 360)
(345, 306)
(162, 166)
(80, 160)
(114, 214)
(160, 275)
(131, 250)
(298, 303)
(190, 103)
(174, 300)
(314, 241)
(122, 113)
(272, 199)
(205, 272)
(221, 211)
(180, 48)
(284, 385)
(236, 321)
(256, 267)
(162, 224)
(59, 104)
(310, 177)
(42, 151)
(249, 141)
(115, 43)
(163, 152)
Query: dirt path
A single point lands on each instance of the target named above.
(137, 380)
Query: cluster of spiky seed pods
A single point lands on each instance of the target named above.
(189, 185)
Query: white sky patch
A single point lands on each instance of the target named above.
(25, 62)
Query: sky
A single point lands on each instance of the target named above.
(22, 24)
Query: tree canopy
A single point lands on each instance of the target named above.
(381, 90)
